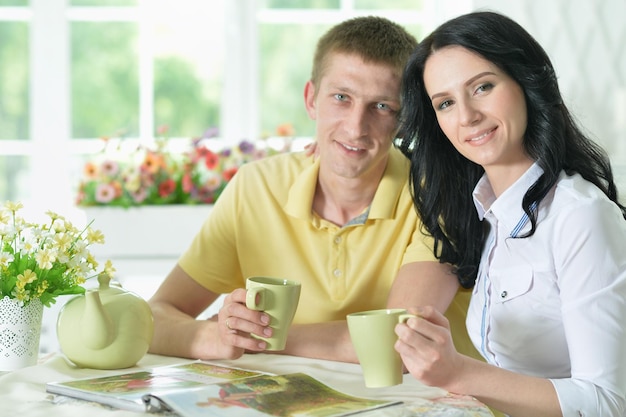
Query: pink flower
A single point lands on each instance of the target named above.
(212, 183)
(109, 168)
(187, 182)
(140, 195)
(105, 193)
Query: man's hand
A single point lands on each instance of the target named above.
(236, 323)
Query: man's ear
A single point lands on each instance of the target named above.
(309, 99)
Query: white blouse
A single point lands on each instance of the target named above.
(553, 305)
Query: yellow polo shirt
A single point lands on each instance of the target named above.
(263, 225)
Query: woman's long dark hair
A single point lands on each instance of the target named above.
(442, 180)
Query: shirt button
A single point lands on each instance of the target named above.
(338, 239)
(337, 272)
(504, 294)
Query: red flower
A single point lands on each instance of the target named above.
(229, 173)
(167, 187)
(211, 160)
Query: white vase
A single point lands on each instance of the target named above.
(20, 331)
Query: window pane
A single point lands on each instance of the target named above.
(388, 4)
(188, 67)
(105, 92)
(286, 57)
(13, 178)
(302, 4)
(415, 30)
(14, 80)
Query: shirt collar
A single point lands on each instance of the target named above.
(394, 181)
(508, 207)
(384, 204)
(300, 199)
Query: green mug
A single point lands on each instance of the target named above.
(373, 337)
(279, 299)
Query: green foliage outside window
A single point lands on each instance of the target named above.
(181, 101)
(285, 66)
(13, 3)
(14, 80)
(105, 84)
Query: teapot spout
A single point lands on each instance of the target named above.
(97, 328)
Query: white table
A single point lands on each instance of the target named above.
(22, 392)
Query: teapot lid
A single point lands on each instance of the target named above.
(104, 279)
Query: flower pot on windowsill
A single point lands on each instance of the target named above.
(151, 231)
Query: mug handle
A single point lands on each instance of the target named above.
(402, 318)
(251, 298)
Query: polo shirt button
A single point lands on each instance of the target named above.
(338, 239)
(504, 294)
(337, 272)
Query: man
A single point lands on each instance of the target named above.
(342, 223)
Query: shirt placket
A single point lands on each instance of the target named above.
(487, 289)
(338, 262)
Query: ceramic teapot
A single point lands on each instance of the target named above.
(105, 328)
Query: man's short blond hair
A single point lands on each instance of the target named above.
(374, 39)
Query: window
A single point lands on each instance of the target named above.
(136, 68)
(72, 71)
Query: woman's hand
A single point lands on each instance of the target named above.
(426, 347)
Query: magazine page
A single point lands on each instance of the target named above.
(267, 395)
(126, 390)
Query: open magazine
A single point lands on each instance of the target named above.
(288, 395)
(201, 389)
(126, 391)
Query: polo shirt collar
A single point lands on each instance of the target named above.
(394, 180)
(300, 197)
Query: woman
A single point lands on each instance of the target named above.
(524, 205)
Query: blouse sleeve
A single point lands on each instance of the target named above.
(591, 267)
